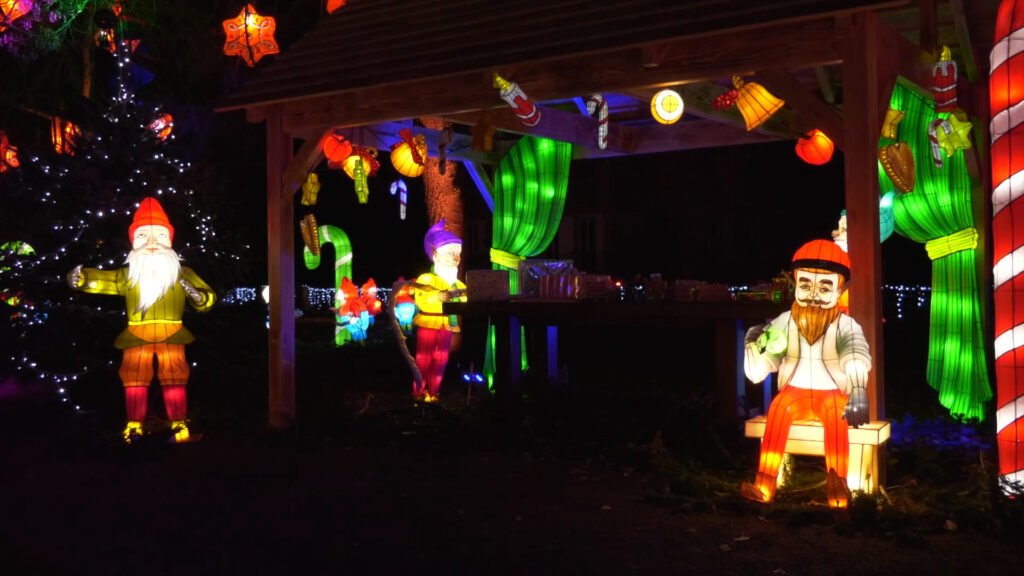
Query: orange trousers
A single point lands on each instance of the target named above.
(791, 404)
(137, 365)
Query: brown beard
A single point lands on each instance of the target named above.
(813, 321)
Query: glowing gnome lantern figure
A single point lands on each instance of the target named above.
(434, 335)
(155, 287)
(250, 36)
(822, 359)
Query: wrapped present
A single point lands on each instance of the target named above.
(531, 271)
(486, 285)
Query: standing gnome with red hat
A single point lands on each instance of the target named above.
(822, 359)
(155, 286)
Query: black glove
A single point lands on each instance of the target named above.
(856, 413)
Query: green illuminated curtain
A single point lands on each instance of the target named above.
(938, 213)
(529, 195)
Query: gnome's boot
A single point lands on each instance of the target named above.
(836, 490)
(762, 491)
(132, 431)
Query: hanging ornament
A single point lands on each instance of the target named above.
(63, 135)
(250, 36)
(409, 156)
(360, 165)
(898, 162)
(957, 137)
(524, 109)
(162, 126)
(755, 102)
(11, 10)
(944, 80)
(483, 133)
(310, 189)
(725, 100)
(444, 139)
(667, 106)
(336, 149)
(334, 5)
(310, 233)
(8, 155)
(815, 148)
(597, 104)
(399, 187)
(893, 118)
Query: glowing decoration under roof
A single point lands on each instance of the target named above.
(359, 166)
(815, 148)
(1006, 93)
(11, 10)
(409, 156)
(524, 108)
(944, 81)
(938, 213)
(667, 106)
(755, 102)
(250, 36)
(336, 149)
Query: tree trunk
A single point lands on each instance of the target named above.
(444, 198)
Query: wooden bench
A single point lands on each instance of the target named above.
(807, 437)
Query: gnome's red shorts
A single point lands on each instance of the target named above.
(137, 365)
(791, 404)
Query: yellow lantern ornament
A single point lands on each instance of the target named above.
(361, 164)
(755, 102)
(409, 156)
(667, 106)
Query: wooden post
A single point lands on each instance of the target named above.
(281, 275)
(863, 95)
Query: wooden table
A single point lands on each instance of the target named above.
(724, 321)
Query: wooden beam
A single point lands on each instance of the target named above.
(793, 45)
(928, 25)
(963, 37)
(902, 59)
(281, 275)
(693, 135)
(305, 160)
(483, 182)
(821, 74)
(807, 104)
(862, 100)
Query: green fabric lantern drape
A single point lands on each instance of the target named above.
(938, 212)
(530, 186)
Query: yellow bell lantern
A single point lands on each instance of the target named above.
(755, 102)
(667, 106)
(409, 156)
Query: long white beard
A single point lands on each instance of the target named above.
(153, 273)
(449, 273)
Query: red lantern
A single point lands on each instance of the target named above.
(63, 135)
(336, 149)
(8, 154)
(815, 148)
(250, 36)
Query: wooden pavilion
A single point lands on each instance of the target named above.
(373, 66)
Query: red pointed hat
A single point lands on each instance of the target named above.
(823, 254)
(150, 213)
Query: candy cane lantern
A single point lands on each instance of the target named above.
(1006, 93)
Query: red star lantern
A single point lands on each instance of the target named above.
(333, 5)
(11, 10)
(250, 36)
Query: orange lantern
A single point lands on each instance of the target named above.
(409, 156)
(11, 10)
(63, 134)
(250, 36)
(333, 5)
(8, 154)
(336, 149)
(815, 148)
(162, 126)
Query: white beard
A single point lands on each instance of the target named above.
(449, 273)
(153, 273)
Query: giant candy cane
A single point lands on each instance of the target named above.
(1006, 93)
(342, 265)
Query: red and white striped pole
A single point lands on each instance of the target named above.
(1006, 94)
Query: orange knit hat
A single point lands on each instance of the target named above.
(823, 254)
(150, 213)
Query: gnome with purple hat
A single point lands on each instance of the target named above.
(434, 334)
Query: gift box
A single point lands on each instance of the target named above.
(531, 271)
(486, 285)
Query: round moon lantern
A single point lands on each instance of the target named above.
(404, 159)
(815, 148)
(667, 106)
(336, 149)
